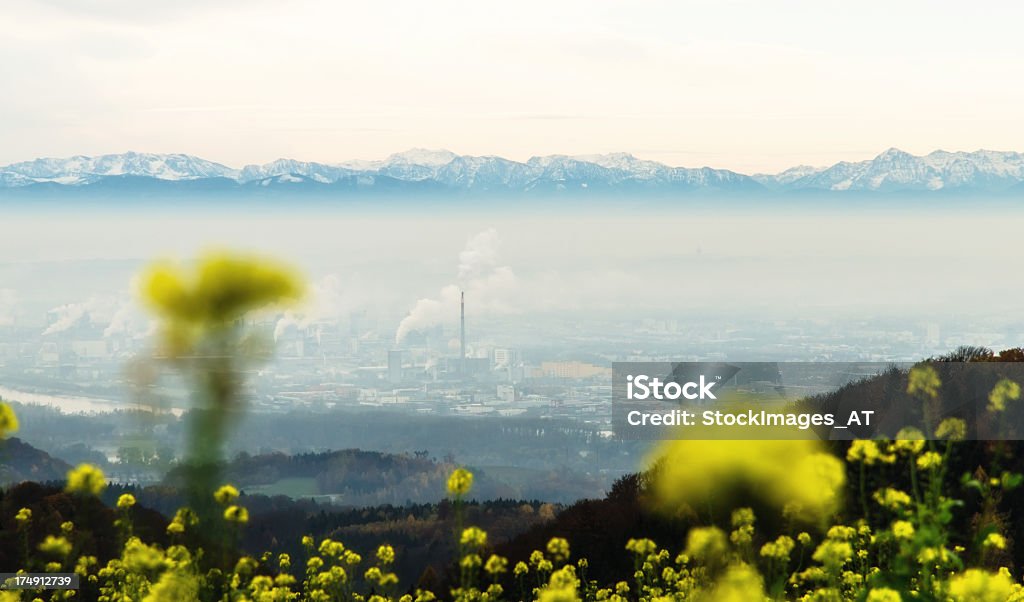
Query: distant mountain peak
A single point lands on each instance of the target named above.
(434, 170)
(422, 156)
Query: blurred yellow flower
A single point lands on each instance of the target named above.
(236, 514)
(706, 543)
(976, 585)
(641, 547)
(558, 548)
(225, 494)
(496, 565)
(863, 450)
(890, 498)
(908, 440)
(55, 546)
(473, 536)
(793, 473)
(739, 584)
(23, 516)
(954, 429)
(778, 549)
(929, 460)
(994, 540)
(221, 288)
(460, 482)
(923, 380)
(883, 594)
(126, 500)
(385, 554)
(86, 479)
(1004, 391)
(902, 529)
(8, 420)
(561, 587)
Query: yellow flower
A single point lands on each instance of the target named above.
(833, 554)
(994, 540)
(86, 479)
(908, 440)
(740, 582)
(953, 429)
(126, 500)
(236, 514)
(23, 516)
(561, 587)
(794, 473)
(706, 543)
(1005, 390)
(976, 585)
(174, 585)
(460, 482)
(641, 547)
(473, 536)
(226, 494)
(67, 527)
(883, 594)
(742, 517)
(385, 554)
(496, 565)
(841, 532)
(804, 538)
(892, 499)
(778, 549)
(924, 380)
(520, 569)
(902, 529)
(863, 450)
(558, 548)
(929, 460)
(55, 546)
(222, 287)
(8, 420)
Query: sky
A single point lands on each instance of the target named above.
(746, 85)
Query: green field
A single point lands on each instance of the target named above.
(292, 487)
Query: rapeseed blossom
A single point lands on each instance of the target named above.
(794, 473)
(86, 479)
(55, 546)
(8, 420)
(976, 585)
(236, 514)
(473, 536)
(1004, 391)
(221, 288)
(226, 494)
(460, 482)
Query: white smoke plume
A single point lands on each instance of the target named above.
(115, 311)
(67, 316)
(488, 287)
(326, 301)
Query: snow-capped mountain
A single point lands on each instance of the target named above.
(85, 170)
(440, 170)
(898, 170)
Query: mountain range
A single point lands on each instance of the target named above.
(441, 171)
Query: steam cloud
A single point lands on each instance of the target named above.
(488, 287)
(327, 301)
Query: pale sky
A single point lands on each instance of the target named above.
(744, 85)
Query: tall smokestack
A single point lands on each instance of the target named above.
(462, 332)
